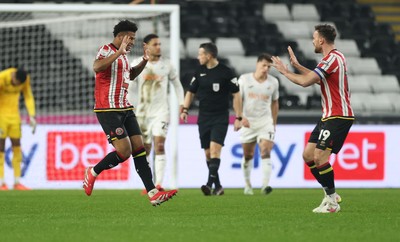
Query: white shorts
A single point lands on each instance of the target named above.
(151, 127)
(250, 135)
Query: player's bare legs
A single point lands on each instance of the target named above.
(159, 160)
(266, 164)
(247, 164)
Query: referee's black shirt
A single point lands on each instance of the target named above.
(213, 88)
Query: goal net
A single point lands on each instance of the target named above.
(57, 44)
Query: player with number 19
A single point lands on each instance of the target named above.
(331, 131)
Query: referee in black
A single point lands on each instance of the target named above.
(213, 83)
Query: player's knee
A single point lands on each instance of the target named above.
(307, 156)
(248, 157)
(160, 148)
(265, 155)
(123, 155)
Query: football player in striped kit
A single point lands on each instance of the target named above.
(331, 131)
(115, 113)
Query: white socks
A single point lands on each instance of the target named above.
(246, 168)
(266, 167)
(159, 166)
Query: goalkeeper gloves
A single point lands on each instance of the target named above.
(32, 123)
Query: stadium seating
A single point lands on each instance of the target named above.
(305, 12)
(244, 29)
(192, 46)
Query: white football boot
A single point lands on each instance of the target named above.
(248, 190)
(330, 204)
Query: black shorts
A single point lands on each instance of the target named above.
(118, 124)
(212, 128)
(331, 133)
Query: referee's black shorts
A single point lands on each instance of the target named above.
(212, 128)
(118, 124)
(331, 133)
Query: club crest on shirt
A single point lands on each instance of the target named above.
(215, 87)
(119, 131)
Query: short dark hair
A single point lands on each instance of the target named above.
(125, 26)
(21, 75)
(327, 31)
(265, 56)
(210, 48)
(149, 37)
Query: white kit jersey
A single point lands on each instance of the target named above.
(151, 88)
(257, 98)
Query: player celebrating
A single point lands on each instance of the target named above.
(260, 93)
(331, 131)
(13, 81)
(152, 90)
(115, 114)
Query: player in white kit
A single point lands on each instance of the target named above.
(151, 91)
(260, 94)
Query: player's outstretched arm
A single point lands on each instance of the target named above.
(303, 80)
(102, 64)
(295, 63)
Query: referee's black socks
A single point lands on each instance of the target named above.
(213, 167)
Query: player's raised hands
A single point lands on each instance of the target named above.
(279, 65)
(124, 45)
(146, 52)
(292, 57)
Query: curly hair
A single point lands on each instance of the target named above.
(125, 26)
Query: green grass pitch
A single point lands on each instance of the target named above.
(125, 215)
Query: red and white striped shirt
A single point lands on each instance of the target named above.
(335, 93)
(111, 84)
